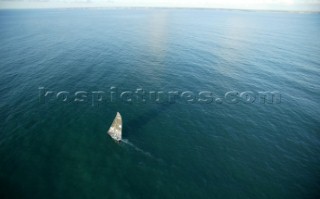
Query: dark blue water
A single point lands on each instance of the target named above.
(172, 149)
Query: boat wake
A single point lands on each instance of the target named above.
(127, 142)
(136, 148)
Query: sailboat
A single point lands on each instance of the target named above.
(115, 130)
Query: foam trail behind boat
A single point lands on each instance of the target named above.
(136, 148)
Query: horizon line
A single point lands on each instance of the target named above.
(162, 7)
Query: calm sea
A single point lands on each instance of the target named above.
(224, 147)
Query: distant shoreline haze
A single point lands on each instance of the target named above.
(269, 5)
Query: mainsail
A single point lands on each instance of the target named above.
(115, 130)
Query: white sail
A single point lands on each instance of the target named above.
(115, 130)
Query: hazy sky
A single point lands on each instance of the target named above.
(302, 5)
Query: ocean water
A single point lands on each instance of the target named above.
(223, 148)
